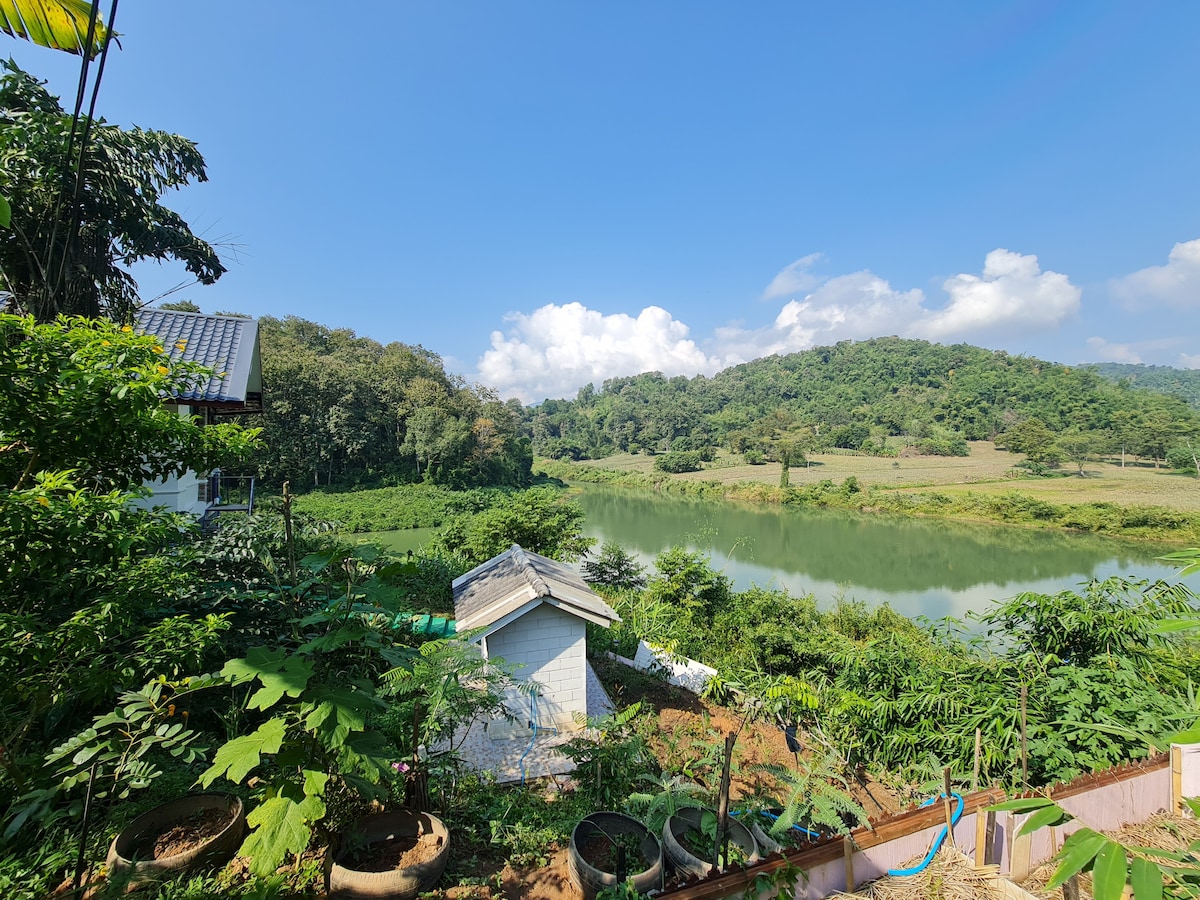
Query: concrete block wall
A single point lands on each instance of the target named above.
(550, 647)
(176, 494)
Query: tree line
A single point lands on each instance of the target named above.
(344, 409)
(877, 396)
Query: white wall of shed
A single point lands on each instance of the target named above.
(550, 646)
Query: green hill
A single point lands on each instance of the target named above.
(875, 396)
(1181, 383)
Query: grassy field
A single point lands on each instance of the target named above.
(986, 471)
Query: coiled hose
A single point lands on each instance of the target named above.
(937, 841)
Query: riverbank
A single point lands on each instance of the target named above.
(1131, 502)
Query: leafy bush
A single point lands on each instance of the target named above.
(677, 461)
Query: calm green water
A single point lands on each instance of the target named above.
(921, 567)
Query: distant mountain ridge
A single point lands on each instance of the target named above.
(1181, 383)
(863, 395)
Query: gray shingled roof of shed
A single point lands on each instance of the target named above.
(226, 344)
(516, 577)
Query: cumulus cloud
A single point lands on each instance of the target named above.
(794, 278)
(554, 350)
(1011, 296)
(1106, 352)
(1014, 296)
(1175, 284)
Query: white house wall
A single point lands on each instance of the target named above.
(550, 647)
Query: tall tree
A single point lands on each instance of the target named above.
(82, 213)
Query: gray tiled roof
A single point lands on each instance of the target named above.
(226, 344)
(507, 582)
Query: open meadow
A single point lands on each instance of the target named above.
(986, 471)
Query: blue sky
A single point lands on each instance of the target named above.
(552, 193)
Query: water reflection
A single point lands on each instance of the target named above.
(921, 566)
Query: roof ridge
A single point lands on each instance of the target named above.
(532, 575)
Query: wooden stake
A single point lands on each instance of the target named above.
(848, 861)
(1176, 779)
(978, 754)
(989, 840)
(1024, 745)
(723, 803)
(948, 805)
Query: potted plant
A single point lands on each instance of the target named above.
(690, 836)
(608, 849)
(391, 854)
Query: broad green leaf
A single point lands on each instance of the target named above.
(280, 829)
(1076, 854)
(239, 756)
(1049, 815)
(278, 672)
(1109, 872)
(314, 782)
(1146, 880)
(5, 212)
(1022, 805)
(57, 24)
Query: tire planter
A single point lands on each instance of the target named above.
(683, 860)
(399, 884)
(646, 870)
(132, 849)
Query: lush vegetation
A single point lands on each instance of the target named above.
(343, 409)
(884, 396)
(1096, 673)
(85, 201)
(1181, 383)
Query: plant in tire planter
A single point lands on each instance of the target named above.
(689, 836)
(394, 854)
(185, 834)
(609, 849)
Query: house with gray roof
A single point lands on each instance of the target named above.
(533, 612)
(228, 345)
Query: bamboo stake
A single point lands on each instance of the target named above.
(1024, 744)
(723, 804)
(978, 754)
(948, 805)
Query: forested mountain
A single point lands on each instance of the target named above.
(877, 396)
(1182, 383)
(343, 408)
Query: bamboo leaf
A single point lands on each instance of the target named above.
(1146, 880)
(1109, 872)
(1049, 815)
(1077, 853)
(1022, 805)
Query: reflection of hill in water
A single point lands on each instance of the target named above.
(885, 553)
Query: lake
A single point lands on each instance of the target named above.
(922, 567)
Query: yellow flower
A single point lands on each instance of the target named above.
(43, 501)
(106, 343)
(158, 349)
(163, 370)
(127, 328)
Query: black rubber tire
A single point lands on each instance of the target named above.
(398, 884)
(683, 860)
(217, 850)
(591, 880)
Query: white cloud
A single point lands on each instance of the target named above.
(1189, 361)
(1106, 352)
(1014, 296)
(794, 278)
(1175, 284)
(554, 350)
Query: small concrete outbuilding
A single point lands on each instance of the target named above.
(533, 613)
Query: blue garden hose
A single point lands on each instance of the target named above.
(812, 835)
(536, 726)
(937, 841)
